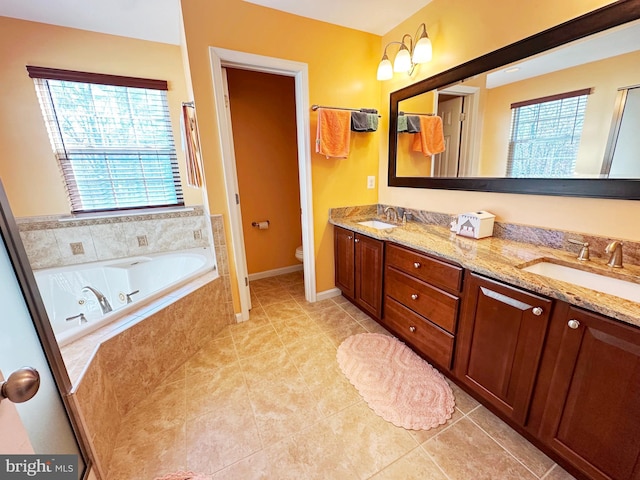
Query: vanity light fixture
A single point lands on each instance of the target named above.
(416, 50)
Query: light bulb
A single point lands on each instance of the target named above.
(385, 70)
(402, 63)
(423, 51)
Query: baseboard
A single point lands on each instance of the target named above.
(275, 272)
(334, 292)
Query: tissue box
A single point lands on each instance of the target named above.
(474, 224)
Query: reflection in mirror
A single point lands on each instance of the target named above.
(536, 79)
(547, 116)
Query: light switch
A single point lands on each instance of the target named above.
(371, 181)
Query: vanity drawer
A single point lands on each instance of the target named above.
(422, 335)
(424, 267)
(437, 305)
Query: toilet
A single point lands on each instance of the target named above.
(299, 254)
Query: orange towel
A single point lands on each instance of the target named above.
(430, 140)
(334, 132)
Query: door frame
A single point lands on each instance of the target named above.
(219, 58)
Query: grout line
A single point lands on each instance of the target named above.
(433, 459)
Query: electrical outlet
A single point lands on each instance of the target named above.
(371, 181)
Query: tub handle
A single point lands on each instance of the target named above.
(81, 316)
(128, 295)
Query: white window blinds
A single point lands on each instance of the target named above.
(545, 135)
(112, 138)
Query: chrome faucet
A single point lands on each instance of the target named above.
(102, 300)
(388, 210)
(615, 250)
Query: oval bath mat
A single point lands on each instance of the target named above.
(395, 382)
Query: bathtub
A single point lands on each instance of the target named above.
(127, 284)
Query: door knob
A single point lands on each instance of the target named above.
(414, 296)
(21, 385)
(412, 329)
(416, 265)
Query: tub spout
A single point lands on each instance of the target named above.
(102, 300)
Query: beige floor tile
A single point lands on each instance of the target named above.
(516, 444)
(264, 284)
(217, 391)
(269, 367)
(273, 296)
(334, 394)
(317, 306)
(257, 315)
(282, 408)
(284, 310)
(341, 333)
(370, 442)
(292, 278)
(332, 317)
(217, 353)
(464, 451)
(415, 465)
(465, 402)
(370, 325)
(221, 438)
(255, 341)
(422, 436)
(295, 329)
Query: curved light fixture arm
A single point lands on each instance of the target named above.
(409, 45)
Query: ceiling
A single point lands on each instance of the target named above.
(159, 20)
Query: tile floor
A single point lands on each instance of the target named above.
(266, 400)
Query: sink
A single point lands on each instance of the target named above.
(583, 278)
(377, 224)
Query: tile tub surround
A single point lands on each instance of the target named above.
(116, 367)
(500, 256)
(48, 240)
(127, 365)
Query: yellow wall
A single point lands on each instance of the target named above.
(603, 77)
(465, 29)
(28, 168)
(263, 118)
(342, 72)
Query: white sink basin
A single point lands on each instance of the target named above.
(377, 224)
(594, 281)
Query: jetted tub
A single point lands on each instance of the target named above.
(126, 283)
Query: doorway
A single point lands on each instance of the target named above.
(263, 117)
(221, 58)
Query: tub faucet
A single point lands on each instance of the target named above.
(102, 300)
(615, 250)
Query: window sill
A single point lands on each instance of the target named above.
(123, 213)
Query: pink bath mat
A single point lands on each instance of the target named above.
(396, 383)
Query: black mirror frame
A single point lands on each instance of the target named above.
(609, 16)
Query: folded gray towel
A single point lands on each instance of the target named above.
(413, 123)
(359, 122)
(402, 123)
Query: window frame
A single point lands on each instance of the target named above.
(45, 73)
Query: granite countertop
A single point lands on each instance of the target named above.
(503, 260)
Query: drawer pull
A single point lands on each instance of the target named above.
(573, 324)
(412, 329)
(414, 296)
(416, 265)
(357, 240)
(537, 311)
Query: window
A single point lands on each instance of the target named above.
(112, 138)
(545, 135)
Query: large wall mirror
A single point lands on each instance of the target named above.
(555, 114)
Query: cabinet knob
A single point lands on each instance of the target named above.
(412, 329)
(573, 323)
(357, 240)
(537, 311)
(416, 265)
(349, 237)
(414, 296)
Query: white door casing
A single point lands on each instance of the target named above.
(220, 58)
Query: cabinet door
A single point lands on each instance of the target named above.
(368, 273)
(501, 336)
(592, 417)
(344, 261)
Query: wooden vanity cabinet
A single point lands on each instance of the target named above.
(358, 269)
(500, 342)
(592, 405)
(422, 302)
